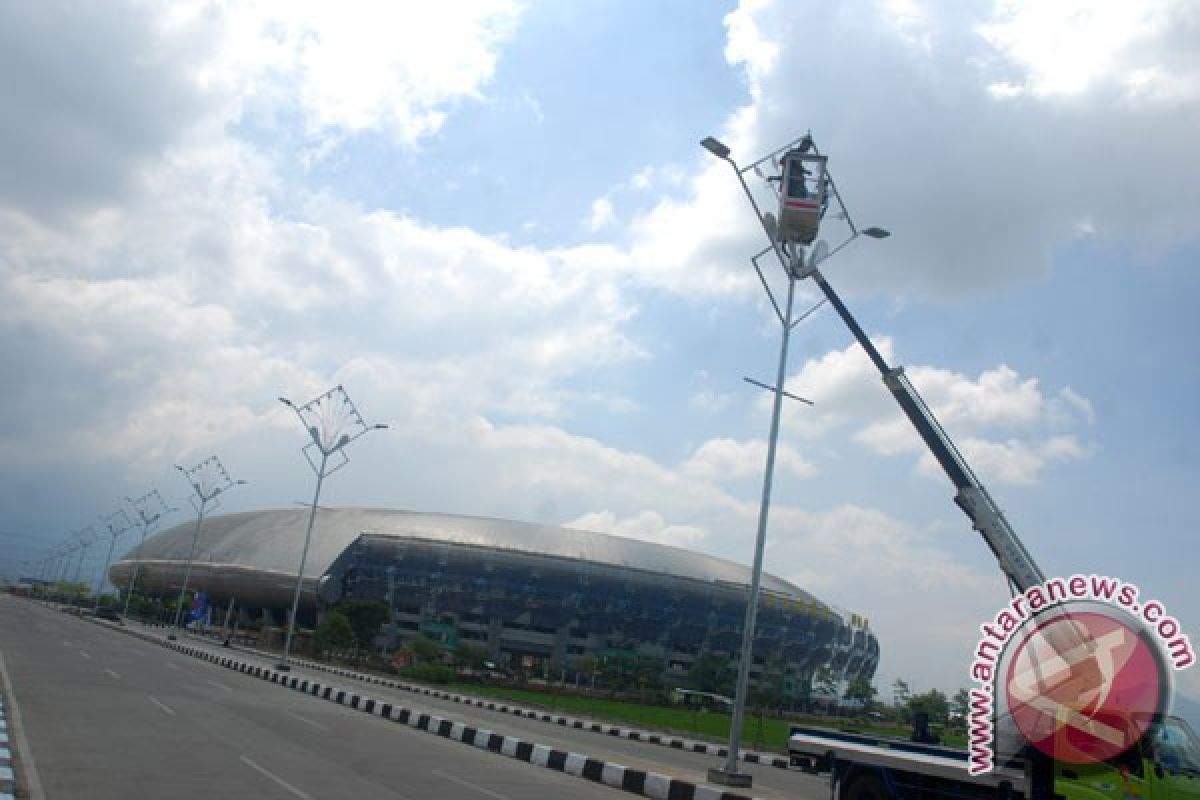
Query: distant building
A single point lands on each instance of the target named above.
(534, 596)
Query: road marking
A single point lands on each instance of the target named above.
(470, 785)
(67, 644)
(115, 675)
(85, 655)
(220, 686)
(172, 666)
(161, 705)
(306, 720)
(275, 778)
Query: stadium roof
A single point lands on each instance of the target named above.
(271, 541)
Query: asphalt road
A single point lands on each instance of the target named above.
(110, 716)
(770, 783)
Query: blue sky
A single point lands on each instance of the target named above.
(494, 225)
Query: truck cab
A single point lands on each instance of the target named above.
(1165, 766)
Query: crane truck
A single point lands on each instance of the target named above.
(1164, 765)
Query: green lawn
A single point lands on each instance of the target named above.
(770, 734)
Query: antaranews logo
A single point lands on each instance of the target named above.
(1080, 664)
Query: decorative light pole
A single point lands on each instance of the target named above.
(791, 258)
(208, 480)
(115, 524)
(149, 509)
(87, 538)
(66, 549)
(332, 423)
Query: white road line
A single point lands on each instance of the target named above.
(115, 675)
(220, 685)
(470, 785)
(306, 720)
(172, 666)
(67, 644)
(161, 705)
(85, 655)
(275, 778)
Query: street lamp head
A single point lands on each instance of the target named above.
(240, 483)
(715, 147)
(380, 426)
(876, 233)
(286, 402)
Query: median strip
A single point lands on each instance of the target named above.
(584, 724)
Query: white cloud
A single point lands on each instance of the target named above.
(360, 66)
(1005, 425)
(602, 214)
(1014, 461)
(1068, 48)
(727, 459)
(710, 401)
(646, 525)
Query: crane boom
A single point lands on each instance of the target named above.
(972, 497)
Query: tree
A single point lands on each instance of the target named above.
(861, 690)
(825, 685)
(470, 655)
(960, 707)
(584, 665)
(900, 693)
(365, 618)
(424, 649)
(333, 633)
(933, 703)
(712, 673)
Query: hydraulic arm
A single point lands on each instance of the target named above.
(986, 517)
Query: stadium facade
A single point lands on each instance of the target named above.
(534, 596)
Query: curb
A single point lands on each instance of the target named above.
(8, 777)
(633, 734)
(618, 776)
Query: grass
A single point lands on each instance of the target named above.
(767, 734)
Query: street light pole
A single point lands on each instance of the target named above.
(795, 270)
(116, 524)
(208, 480)
(85, 541)
(150, 508)
(332, 422)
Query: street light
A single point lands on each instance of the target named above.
(332, 422)
(149, 509)
(115, 524)
(86, 538)
(795, 270)
(208, 480)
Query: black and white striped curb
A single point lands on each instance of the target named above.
(8, 778)
(633, 734)
(641, 782)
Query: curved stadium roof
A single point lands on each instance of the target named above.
(271, 542)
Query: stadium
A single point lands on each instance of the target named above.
(535, 596)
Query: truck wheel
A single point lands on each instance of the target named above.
(866, 787)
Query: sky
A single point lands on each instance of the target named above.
(493, 224)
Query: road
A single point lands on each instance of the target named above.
(770, 783)
(109, 716)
